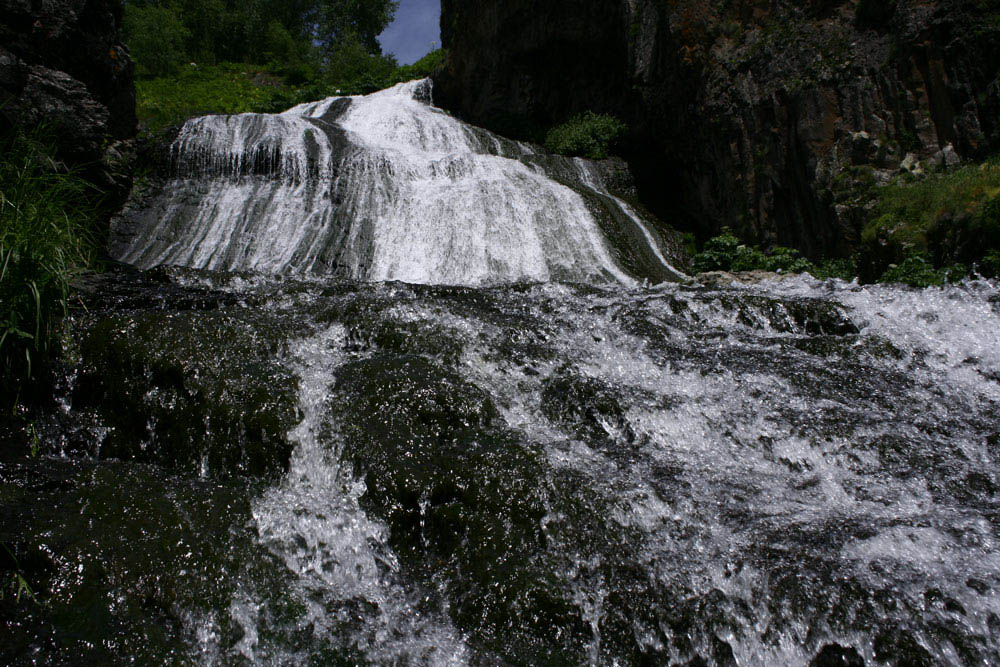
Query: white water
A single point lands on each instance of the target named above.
(313, 522)
(829, 487)
(375, 188)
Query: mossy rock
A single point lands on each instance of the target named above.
(473, 507)
(587, 407)
(196, 391)
(124, 559)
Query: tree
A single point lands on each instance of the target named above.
(156, 37)
(340, 20)
(163, 34)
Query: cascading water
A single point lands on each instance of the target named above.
(382, 187)
(256, 468)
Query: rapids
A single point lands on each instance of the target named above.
(290, 450)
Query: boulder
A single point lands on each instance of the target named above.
(63, 66)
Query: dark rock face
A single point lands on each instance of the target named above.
(757, 115)
(63, 65)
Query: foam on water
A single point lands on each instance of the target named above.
(749, 475)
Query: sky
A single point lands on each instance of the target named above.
(415, 32)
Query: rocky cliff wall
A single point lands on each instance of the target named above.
(760, 115)
(63, 64)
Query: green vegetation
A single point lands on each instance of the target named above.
(12, 583)
(918, 271)
(45, 238)
(199, 90)
(164, 35)
(945, 218)
(925, 231)
(589, 135)
(195, 57)
(727, 253)
(231, 88)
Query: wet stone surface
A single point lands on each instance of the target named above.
(248, 470)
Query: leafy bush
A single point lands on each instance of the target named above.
(589, 135)
(844, 268)
(421, 69)
(45, 238)
(356, 70)
(727, 253)
(914, 271)
(989, 267)
(786, 260)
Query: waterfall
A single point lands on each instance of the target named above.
(374, 188)
(489, 444)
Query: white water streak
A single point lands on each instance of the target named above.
(392, 189)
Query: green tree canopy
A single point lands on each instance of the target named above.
(163, 34)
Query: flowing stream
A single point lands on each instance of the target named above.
(393, 391)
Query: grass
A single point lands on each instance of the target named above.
(945, 219)
(46, 237)
(230, 88)
(212, 89)
(13, 583)
(908, 210)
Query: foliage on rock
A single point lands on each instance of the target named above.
(589, 135)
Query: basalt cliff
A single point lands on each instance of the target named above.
(759, 115)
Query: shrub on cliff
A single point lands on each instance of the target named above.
(590, 135)
(950, 218)
(726, 252)
(45, 237)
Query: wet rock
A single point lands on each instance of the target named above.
(456, 488)
(900, 647)
(588, 408)
(128, 560)
(195, 391)
(834, 655)
(468, 500)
